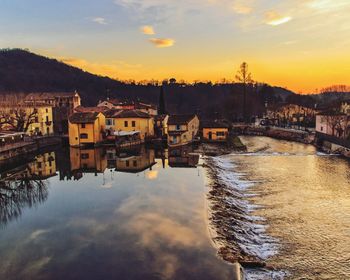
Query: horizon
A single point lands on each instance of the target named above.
(289, 44)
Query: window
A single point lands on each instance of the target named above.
(127, 163)
(83, 125)
(125, 123)
(47, 110)
(135, 163)
(84, 156)
(84, 136)
(39, 164)
(321, 128)
(36, 119)
(47, 118)
(109, 121)
(178, 127)
(133, 124)
(220, 133)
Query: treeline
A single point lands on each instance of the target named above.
(22, 71)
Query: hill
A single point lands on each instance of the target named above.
(22, 72)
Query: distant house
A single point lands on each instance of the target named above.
(182, 129)
(161, 125)
(130, 120)
(86, 128)
(214, 130)
(129, 105)
(333, 122)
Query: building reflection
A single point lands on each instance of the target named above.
(87, 161)
(183, 157)
(24, 186)
(133, 161)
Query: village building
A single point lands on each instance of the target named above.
(129, 105)
(63, 104)
(86, 128)
(214, 131)
(130, 120)
(182, 129)
(334, 123)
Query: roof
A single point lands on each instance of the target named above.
(99, 109)
(110, 113)
(160, 117)
(214, 124)
(131, 114)
(49, 95)
(85, 117)
(180, 119)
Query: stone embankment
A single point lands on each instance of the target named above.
(277, 133)
(234, 143)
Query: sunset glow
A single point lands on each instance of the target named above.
(302, 45)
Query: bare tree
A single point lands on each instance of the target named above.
(244, 77)
(18, 119)
(339, 124)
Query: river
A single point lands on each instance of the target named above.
(99, 214)
(285, 204)
(157, 214)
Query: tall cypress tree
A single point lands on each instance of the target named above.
(161, 103)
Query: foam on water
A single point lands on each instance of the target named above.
(246, 229)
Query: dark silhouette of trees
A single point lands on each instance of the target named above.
(244, 77)
(161, 103)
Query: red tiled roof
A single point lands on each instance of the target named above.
(180, 119)
(85, 117)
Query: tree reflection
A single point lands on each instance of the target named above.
(23, 191)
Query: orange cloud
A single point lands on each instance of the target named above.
(148, 30)
(162, 43)
(273, 18)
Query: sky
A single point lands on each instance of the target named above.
(303, 45)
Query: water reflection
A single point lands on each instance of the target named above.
(147, 222)
(183, 157)
(24, 186)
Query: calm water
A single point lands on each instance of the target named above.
(291, 209)
(96, 214)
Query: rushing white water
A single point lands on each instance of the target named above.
(270, 201)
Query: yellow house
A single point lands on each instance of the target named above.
(182, 129)
(38, 120)
(130, 120)
(214, 131)
(86, 128)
